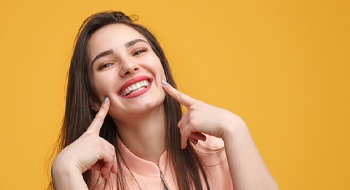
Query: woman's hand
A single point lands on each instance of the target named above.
(247, 169)
(89, 151)
(202, 118)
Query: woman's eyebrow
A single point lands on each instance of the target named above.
(110, 51)
(132, 42)
(102, 54)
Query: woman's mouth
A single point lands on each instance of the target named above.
(134, 88)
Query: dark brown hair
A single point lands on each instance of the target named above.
(78, 113)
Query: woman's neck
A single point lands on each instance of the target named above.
(145, 134)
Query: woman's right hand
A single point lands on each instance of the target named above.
(89, 151)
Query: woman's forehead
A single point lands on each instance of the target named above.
(112, 36)
(118, 31)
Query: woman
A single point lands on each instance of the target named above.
(124, 128)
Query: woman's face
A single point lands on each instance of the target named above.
(124, 67)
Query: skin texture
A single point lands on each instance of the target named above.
(120, 55)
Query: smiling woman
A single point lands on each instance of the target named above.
(124, 128)
(130, 61)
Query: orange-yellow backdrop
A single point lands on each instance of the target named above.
(283, 66)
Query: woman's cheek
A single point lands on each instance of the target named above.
(101, 88)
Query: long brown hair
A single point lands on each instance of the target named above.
(78, 113)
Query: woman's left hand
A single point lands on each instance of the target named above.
(201, 118)
(247, 169)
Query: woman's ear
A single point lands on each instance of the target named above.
(94, 105)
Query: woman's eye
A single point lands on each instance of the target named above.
(105, 65)
(139, 51)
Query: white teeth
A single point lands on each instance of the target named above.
(129, 88)
(135, 87)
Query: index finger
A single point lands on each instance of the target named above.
(96, 124)
(182, 98)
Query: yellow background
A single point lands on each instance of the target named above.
(283, 66)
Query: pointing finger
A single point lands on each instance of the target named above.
(182, 98)
(96, 124)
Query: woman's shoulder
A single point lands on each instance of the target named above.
(213, 155)
(211, 151)
(210, 144)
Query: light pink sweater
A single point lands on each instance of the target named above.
(146, 175)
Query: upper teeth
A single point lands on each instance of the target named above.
(135, 87)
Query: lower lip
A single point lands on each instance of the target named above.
(138, 93)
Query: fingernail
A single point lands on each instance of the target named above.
(164, 82)
(106, 100)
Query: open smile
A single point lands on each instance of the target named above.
(135, 87)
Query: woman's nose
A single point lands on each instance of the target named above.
(129, 67)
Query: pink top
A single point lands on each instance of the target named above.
(147, 175)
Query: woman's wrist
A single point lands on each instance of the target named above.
(233, 127)
(66, 176)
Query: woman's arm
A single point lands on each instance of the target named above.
(248, 170)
